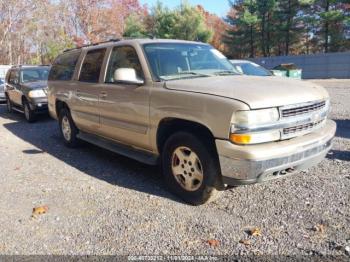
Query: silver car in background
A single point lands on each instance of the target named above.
(247, 67)
(3, 71)
(2, 92)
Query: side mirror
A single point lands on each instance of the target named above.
(127, 76)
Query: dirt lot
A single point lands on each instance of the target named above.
(102, 203)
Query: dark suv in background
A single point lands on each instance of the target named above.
(26, 90)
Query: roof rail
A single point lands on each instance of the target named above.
(94, 44)
(15, 66)
(107, 41)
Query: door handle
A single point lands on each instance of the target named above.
(103, 95)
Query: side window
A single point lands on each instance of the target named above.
(123, 57)
(63, 67)
(91, 68)
(13, 78)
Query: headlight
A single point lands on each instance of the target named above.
(255, 138)
(255, 117)
(37, 93)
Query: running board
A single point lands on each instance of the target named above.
(138, 155)
(17, 109)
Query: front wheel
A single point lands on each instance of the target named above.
(68, 129)
(28, 112)
(9, 105)
(191, 169)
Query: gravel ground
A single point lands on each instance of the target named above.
(102, 203)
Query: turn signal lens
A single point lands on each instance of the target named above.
(240, 138)
(255, 138)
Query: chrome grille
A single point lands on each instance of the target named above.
(295, 111)
(301, 128)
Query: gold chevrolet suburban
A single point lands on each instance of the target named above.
(182, 105)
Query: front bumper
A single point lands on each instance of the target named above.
(39, 105)
(258, 163)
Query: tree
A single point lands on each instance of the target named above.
(334, 15)
(184, 22)
(135, 26)
(265, 11)
(218, 27)
(243, 20)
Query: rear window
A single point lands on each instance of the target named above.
(91, 68)
(63, 67)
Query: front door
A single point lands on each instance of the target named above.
(13, 87)
(124, 108)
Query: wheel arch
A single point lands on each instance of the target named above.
(59, 105)
(171, 125)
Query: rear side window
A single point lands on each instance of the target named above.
(91, 68)
(63, 67)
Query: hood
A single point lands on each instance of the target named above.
(35, 85)
(257, 92)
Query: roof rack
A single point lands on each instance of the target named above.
(105, 42)
(20, 66)
(94, 44)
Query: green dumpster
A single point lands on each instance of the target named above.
(288, 70)
(279, 73)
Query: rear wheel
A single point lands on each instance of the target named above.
(9, 105)
(28, 112)
(68, 129)
(190, 168)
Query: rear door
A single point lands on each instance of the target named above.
(87, 92)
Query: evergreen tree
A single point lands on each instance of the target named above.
(242, 34)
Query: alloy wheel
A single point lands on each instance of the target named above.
(187, 168)
(26, 111)
(66, 128)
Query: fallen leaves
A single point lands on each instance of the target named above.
(319, 228)
(255, 232)
(213, 242)
(39, 210)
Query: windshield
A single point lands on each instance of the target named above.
(170, 61)
(34, 74)
(251, 69)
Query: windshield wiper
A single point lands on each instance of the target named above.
(182, 75)
(225, 72)
(191, 73)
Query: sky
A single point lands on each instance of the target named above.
(219, 7)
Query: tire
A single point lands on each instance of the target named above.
(9, 105)
(196, 165)
(29, 114)
(68, 129)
